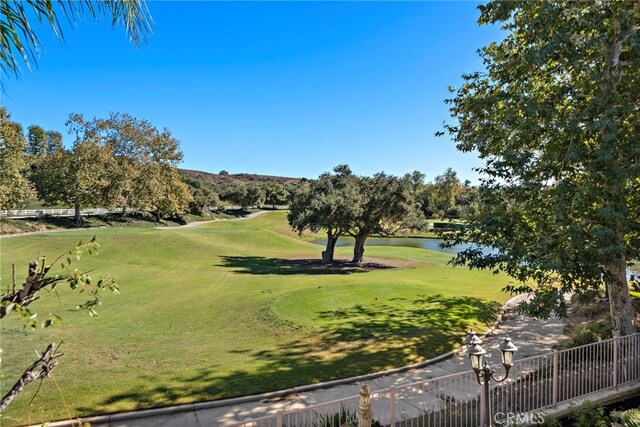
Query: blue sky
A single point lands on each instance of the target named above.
(282, 88)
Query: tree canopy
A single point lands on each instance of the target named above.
(326, 204)
(345, 204)
(119, 161)
(15, 189)
(555, 119)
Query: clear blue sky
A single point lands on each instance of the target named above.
(283, 88)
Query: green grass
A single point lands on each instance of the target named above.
(232, 308)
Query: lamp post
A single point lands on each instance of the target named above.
(484, 373)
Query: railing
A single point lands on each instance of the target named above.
(534, 383)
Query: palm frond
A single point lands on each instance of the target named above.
(19, 40)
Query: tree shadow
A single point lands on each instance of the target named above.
(357, 340)
(234, 213)
(282, 266)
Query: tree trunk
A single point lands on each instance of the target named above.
(358, 249)
(124, 212)
(618, 288)
(157, 214)
(327, 254)
(619, 298)
(78, 218)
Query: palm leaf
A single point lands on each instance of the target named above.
(19, 41)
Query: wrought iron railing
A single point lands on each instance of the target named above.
(534, 384)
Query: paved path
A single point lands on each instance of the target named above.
(197, 223)
(532, 337)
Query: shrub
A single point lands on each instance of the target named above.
(587, 334)
(346, 417)
(548, 421)
(630, 418)
(587, 415)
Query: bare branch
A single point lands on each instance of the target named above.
(38, 370)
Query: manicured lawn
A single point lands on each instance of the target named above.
(233, 308)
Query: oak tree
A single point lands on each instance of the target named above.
(382, 207)
(325, 204)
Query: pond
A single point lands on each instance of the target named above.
(418, 242)
(411, 242)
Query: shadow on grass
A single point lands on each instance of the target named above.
(262, 265)
(357, 340)
(234, 213)
(113, 220)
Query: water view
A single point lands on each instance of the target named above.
(411, 242)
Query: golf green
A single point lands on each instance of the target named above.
(231, 308)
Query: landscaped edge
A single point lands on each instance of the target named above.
(188, 407)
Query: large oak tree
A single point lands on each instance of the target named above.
(555, 117)
(326, 204)
(383, 207)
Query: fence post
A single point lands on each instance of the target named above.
(392, 396)
(483, 414)
(554, 390)
(279, 419)
(616, 348)
(364, 409)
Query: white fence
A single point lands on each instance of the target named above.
(37, 213)
(534, 383)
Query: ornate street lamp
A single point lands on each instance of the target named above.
(484, 373)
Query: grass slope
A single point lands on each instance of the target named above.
(232, 308)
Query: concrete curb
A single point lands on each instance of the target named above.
(604, 398)
(167, 410)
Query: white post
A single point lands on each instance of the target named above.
(364, 409)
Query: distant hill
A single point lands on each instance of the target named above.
(214, 178)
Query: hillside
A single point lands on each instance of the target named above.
(212, 178)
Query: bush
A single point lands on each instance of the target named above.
(630, 418)
(548, 421)
(587, 334)
(587, 415)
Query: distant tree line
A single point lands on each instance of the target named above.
(243, 190)
(121, 161)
